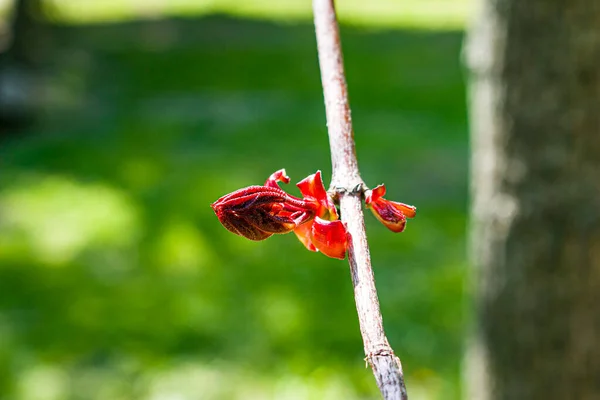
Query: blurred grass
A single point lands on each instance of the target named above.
(116, 279)
(427, 14)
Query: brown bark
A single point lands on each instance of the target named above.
(347, 185)
(535, 121)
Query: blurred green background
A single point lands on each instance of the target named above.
(116, 279)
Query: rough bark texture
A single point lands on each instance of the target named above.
(535, 120)
(348, 186)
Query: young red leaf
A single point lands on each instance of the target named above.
(256, 212)
(312, 189)
(390, 213)
(330, 237)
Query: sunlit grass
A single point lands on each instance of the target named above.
(55, 218)
(187, 380)
(427, 14)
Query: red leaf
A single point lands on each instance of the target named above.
(303, 232)
(390, 213)
(256, 212)
(312, 189)
(330, 237)
(277, 176)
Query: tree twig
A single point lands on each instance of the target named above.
(348, 187)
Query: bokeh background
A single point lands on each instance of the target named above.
(116, 279)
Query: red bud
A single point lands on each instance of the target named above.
(390, 213)
(257, 212)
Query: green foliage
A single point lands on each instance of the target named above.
(118, 282)
(389, 13)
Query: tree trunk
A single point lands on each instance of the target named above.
(535, 121)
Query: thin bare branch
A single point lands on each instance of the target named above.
(348, 187)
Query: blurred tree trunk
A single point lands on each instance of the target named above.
(535, 121)
(17, 98)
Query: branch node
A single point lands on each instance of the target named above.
(335, 191)
(359, 189)
(384, 351)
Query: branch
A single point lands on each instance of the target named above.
(347, 186)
